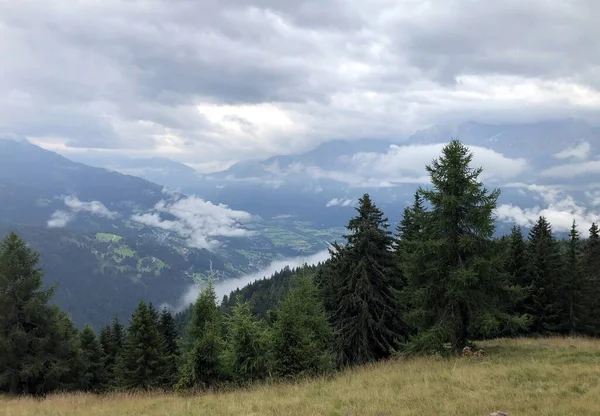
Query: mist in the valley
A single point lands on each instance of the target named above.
(227, 286)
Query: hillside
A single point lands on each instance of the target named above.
(109, 239)
(546, 376)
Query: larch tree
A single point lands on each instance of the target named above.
(455, 280)
(302, 335)
(202, 365)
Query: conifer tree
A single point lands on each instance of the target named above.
(95, 374)
(544, 303)
(302, 334)
(516, 265)
(26, 319)
(573, 292)
(247, 345)
(365, 313)
(202, 365)
(111, 341)
(455, 281)
(591, 281)
(105, 340)
(140, 364)
(118, 335)
(170, 348)
(63, 362)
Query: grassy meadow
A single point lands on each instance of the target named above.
(545, 376)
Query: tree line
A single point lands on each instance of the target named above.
(436, 284)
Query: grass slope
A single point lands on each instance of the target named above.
(523, 377)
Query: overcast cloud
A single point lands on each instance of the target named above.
(215, 81)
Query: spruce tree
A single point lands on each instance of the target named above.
(576, 308)
(201, 366)
(364, 309)
(544, 304)
(170, 347)
(95, 374)
(105, 340)
(140, 364)
(118, 335)
(591, 281)
(111, 340)
(516, 265)
(26, 319)
(247, 345)
(455, 280)
(302, 335)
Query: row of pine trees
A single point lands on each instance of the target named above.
(439, 282)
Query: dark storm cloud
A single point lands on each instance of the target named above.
(285, 74)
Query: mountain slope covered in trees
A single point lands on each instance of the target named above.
(439, 285)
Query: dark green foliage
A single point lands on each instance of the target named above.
(247, 351)
(455, 280)
(140, 364)
(26, 320)
(170, 347)
(202, 366)
(302, 335)
(111, 341)
(544, 303)
(266, 294)
(590, 269)
(95, 375)
(573, 290)
(362, 298)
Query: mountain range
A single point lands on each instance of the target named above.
(113, 230)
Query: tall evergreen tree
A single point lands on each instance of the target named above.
(544, 304)
(302, 334)
(455, 282)
(365, 313)
(576, 308)
(591, 281)
(95, 374)
(111, 340)
(516, 264)
(170, 347)
(247, 345)
(140, 365)
(118, 335)
(202, 365)
(26, 319)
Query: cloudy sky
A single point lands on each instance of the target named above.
(207, 82)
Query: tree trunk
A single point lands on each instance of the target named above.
(461, 336)
(14, 384)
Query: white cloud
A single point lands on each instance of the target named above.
(560, 210)
(59, 219)
(226, 287)
(200, 222)
(572, 170)
(339, 202)
(581, 152)
(93, 207)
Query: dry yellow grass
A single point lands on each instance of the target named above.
(556, 376)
